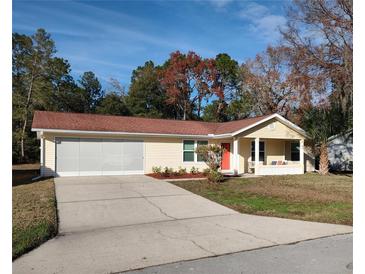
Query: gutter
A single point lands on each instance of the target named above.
(209, 136)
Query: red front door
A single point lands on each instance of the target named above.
(226, 156)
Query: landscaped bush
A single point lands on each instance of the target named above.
(157, 169)
(168, 171)
(212, 156)
(182, 171)
(215, 176)
(194, 170)
(206, 171)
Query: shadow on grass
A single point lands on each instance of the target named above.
(342, 173)
(24, 174)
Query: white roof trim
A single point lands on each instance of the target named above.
(129, 133)
(279, 117)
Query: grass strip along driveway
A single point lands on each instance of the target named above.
(34, 215)
(309, 197)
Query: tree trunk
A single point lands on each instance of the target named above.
(25, 119)
(184, 115)
(323, 159)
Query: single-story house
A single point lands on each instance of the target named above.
(340, 152)
(75, 144)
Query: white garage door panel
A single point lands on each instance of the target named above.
(133, 153)
(112, 156)
(68, 156)
(92, 156)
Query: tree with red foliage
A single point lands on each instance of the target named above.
(189, 80)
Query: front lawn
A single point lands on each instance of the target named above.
(309, 197)
(34, 215)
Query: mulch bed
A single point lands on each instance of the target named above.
(173, 176)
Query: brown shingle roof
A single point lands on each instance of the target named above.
(96, 122)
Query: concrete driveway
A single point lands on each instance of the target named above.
(116, 223)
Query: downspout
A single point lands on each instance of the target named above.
(42, 155)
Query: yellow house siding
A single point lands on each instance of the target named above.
(158, 151)
(167, 152)
(49, 155)
(275, 150)
(162, 151)
(287, 150)
(245, 154)
(272, 129)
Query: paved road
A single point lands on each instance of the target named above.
(322, 256)
(119, 223)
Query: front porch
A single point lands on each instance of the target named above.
(265, 156)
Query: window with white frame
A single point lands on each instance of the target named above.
(295, 151)
(261, 151)
(189, 154)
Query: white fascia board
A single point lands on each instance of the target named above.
(279, 117)
(120, 133)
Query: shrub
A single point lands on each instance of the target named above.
(182, 171)
(168, 171)
(194, 170)
(157, 169)
(206, 171)
(215, 176)
(212, 155)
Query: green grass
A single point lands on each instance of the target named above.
(34, 215)
(308, 197)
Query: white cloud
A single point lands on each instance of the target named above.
(268, 26)
(253, 11)
(262, 21)
(220, 3)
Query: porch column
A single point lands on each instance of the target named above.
(257, 155)
(42, 155)
(235, 155)
(301, 153)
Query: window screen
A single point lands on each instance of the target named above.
(188, 150)
(294, 151)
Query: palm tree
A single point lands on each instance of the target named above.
(320, 124)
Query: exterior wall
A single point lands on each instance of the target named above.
(157, 152)
(245, 154)
(275, 150)
(272, 129)
(49, 155)
(287, 151)
(167, 152)
(161, 151)
(309, 163)
(340, 153)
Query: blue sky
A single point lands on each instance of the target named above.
(111, 38)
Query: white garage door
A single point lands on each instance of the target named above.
(91, 156)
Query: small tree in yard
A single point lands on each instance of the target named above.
(321, 123)
(212, 156)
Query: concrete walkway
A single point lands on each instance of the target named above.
(118, 223)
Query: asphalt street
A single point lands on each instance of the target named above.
(322, 256)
